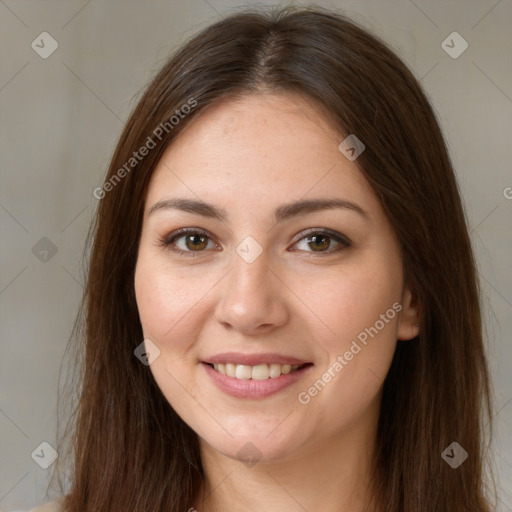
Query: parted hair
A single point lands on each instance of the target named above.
(127, 449)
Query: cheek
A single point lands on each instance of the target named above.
(360, 308)
(163, 316)
(165, 300)
(168, 307)
(352, 299)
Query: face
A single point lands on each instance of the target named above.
(276, 324)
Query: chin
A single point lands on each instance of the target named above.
(253, 451)
(255, 443)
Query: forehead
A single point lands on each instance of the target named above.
(278, 146)
(263, 122)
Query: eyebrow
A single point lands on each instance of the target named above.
(283, 212)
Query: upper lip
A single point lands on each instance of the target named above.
(253, 359)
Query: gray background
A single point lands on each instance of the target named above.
(61, 117)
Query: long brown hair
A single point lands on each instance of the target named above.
(130, 450)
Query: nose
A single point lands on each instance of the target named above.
(253, 297)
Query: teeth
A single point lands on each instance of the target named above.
(275, 370)
(230, 370)
(243, 372)
(258, 372)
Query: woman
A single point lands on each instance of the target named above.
(282, 306)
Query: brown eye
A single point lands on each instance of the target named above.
(191, 242)
(196, 242)
(187, 242)
(320, 242)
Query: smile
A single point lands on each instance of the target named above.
(254, 382)
(257, 372)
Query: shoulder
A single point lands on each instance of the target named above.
(50, 506)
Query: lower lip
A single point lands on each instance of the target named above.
(249, 388)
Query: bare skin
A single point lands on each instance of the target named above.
(300, 297)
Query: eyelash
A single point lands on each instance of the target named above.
(170, 239)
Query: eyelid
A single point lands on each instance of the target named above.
(342, 239)
(168, 240)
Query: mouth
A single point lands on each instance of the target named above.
(256, 372)
(257, 381)
(254, 376)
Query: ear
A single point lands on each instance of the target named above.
(408, 327)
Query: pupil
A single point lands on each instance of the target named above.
(317, 238)
(196, 240)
